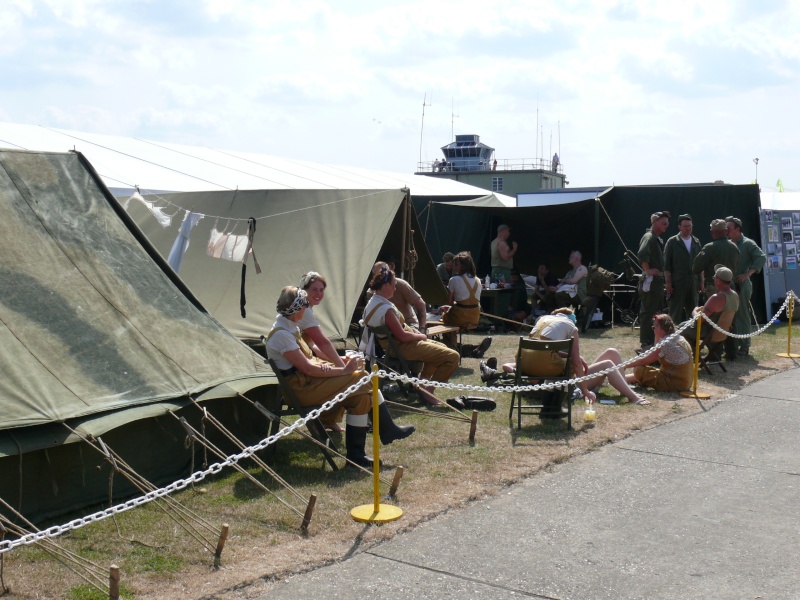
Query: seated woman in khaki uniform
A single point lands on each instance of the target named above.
(464, 305)
(315, 381)
(439, 361)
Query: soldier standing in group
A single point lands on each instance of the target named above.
(719, 251)
(651, 290)
(681, 284)
(751, 261)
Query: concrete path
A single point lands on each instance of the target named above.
(705, 507)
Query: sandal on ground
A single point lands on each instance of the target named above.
(641, 401)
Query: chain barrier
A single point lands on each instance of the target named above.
(57, 530)
(175, 486)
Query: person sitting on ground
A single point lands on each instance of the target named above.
(675, 371)
(406, 299)
(314, 285)
(439, 361)
(315, 381)
(445, 268)
(572, 289)
(560, 325)
(463, 309)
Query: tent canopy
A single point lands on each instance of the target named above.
(338, 233)
(89, 322)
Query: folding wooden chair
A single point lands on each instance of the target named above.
(519, 400)
(289, 405)
(713, 343)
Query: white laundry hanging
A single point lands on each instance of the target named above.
(163, 218)
(227, 246)
(181, 244)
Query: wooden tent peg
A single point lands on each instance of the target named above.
(220, 545)
(473, 426)
(113, 583)
(312, 502)
(398, 475)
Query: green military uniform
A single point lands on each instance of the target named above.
(685, 284)
(750, 257)
(651, 250)
(721, 251)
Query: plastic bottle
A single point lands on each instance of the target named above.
(488, 281)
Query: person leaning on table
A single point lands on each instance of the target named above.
(315, 381)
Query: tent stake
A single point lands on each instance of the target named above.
(473, 426)
(398, 475)
(220, 545)
(113, 583)
(312, 502)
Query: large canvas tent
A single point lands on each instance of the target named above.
(97, 337)
(602, 224)
(339, 233)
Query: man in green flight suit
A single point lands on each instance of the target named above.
(719, 251)
(651, 288)
(751, 261)
(682, 286)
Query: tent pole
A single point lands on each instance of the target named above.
(405, 235)
(596, 233)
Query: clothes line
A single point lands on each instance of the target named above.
(162, 217)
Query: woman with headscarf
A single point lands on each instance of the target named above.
(439, 361)
(315, 381)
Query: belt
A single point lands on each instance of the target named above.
(289, 371)
(467, 305)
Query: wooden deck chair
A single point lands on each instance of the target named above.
(293, 407)
(520, 401)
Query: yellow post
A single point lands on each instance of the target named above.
(790, 310)
(376, 512)
(693, 393)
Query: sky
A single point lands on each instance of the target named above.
(640, 92)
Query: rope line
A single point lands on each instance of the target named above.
(233, 459)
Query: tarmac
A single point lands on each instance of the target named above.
(704, 507)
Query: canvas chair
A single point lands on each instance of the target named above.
(392, 358)
(519, 400)
(289, 405)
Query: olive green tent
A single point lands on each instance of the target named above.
(600, 222)
(339, 233)
(96, 337)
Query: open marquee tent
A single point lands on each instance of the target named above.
(339, 233)
(97, 337)
(600, 222)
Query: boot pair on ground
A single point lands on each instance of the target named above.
(388, 430)
(489, 370)
(472, 351)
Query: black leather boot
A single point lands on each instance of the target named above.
(389, 431)
(487, 373)
(355, 439)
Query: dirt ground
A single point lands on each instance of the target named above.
(447, 477)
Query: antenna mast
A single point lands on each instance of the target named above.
(422, 126)
(453, 117)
